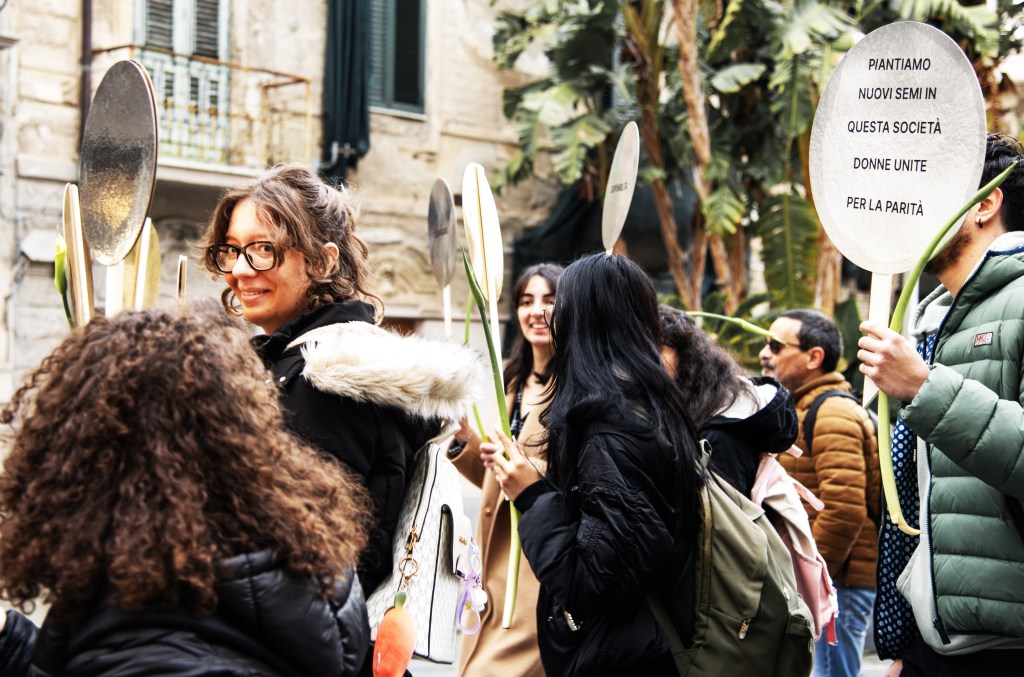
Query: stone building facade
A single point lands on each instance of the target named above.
(238, 87)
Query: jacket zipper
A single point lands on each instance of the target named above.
(937, 620)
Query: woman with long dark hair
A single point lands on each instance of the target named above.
(614, 520)
(511, 650)
(172, 530)
(740, 417)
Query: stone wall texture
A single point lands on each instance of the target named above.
(40, 83)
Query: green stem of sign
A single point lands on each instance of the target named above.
(884, 434)
(476, 409)
(515, 546)
(747, 326)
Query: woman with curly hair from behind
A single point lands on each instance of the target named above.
(173, 531)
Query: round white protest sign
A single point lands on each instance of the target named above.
(897, 146)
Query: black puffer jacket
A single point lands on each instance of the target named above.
(368, 398)
(267, 622)
(622, 528)
(739, 437)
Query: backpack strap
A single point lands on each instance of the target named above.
(705, 456)
(669, 628)
(874, 512)
(812, 413)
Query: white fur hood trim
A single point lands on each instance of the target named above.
(423, 377)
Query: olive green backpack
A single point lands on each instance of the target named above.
(750, 619)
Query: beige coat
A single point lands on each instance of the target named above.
(494, 651)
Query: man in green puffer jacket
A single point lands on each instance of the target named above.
(965, 580)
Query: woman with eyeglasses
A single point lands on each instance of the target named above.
(171, 531)
(615, 518)
(511, 651)
(287, 249)
(740, 417)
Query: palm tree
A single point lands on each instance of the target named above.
(733, 118)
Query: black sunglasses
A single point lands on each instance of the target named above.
(777, 346)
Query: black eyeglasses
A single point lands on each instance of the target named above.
(261, 256)
(777, 346)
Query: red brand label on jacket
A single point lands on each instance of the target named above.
(983, 339)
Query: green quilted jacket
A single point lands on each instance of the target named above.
(971, 412)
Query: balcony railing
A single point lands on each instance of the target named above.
(222, 114)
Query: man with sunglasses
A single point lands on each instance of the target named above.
(840, 465)
(951, 601)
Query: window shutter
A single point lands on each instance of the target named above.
(380, 18)
(160, 24)
(396, 54)
(408, 63)
(207, 34)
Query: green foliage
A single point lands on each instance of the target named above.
(573, 142)
(847, 317)
(730, 79)
(565, 114)
(789, 235)
(763, 64)
(723, 211)
(977, 23)
(743, 25)
(795, 99)
(511, 38)
(808, 25)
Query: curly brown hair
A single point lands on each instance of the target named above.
(149, 446)
(303, 213)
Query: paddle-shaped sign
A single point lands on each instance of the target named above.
(442, 244)
(483, 239)
(897, 146)
(142, 270)
(77, 260)
(618, 194)
(118, 170)
(484, 265)
(182, 276)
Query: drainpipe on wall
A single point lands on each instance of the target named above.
(85, 95)
(10, 212)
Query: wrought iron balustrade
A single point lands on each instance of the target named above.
(223, 114)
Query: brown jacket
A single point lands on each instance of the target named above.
(494, 651)
(842, 470)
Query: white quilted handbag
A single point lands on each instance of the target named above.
(436, 559)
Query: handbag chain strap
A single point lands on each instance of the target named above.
(408, 565)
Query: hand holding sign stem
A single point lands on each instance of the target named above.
(898, 137)
(884, 433)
